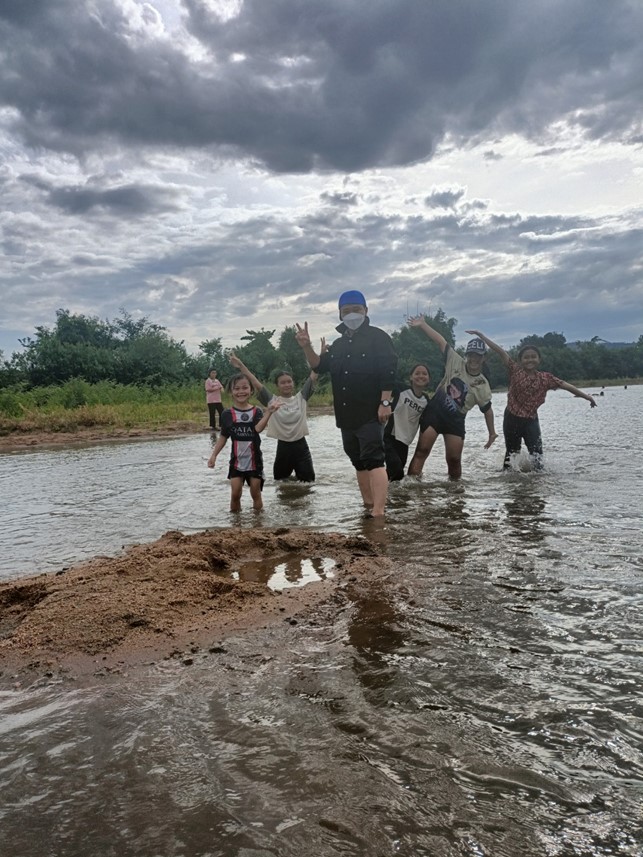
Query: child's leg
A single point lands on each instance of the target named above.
(453, 446)
(396, 455)
(534, 442)
(304, 470)
(255, 493)
(236, 487)
(283, 465)
(422, 450)
(512, 430)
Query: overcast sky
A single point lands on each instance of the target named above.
(219, 165)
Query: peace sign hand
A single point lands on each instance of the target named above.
(302, 336)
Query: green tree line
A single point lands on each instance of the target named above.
(141, 354)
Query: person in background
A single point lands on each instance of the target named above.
(462, 386)
(528, 387)
(243, 423)
(408, 406)
(213, 390)
(362, 364)
(288, 425)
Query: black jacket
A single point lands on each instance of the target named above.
(360, 366)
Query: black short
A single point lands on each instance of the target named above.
(365, 445)
(246, 475)
(294, 455)
(442, 423)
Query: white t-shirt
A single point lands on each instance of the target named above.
(406, 416)
(289, 422)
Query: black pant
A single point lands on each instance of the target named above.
(293, 455)
(215, 408)
(516, 429)
(396, 454)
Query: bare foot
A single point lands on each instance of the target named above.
(257, 506)
(235, 507)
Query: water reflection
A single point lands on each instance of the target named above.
(525, 509)
(286, 571)
(375, 631)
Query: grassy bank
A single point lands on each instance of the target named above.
(77, 405)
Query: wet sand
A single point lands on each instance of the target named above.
(168, 599)
(17, 441)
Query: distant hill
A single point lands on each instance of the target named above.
(612, 345)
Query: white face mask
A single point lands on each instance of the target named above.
(353, 320)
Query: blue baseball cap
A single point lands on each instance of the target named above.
(352, 297)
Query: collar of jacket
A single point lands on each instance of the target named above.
(341, 327)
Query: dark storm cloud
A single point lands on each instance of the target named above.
(340, 198)
(125, 201)
(338, 84)
(445, 198)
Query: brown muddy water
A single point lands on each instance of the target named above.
(487, 704)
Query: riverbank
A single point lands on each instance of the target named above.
(19, 440)
(24, 440)
(177, 596)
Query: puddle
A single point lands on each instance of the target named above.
(284, 572)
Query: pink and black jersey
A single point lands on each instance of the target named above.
(239, 426)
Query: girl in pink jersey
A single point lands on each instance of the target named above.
(528, 387)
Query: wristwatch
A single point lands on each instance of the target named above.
(385, 403)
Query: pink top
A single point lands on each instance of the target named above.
(527, 391)
(213, 390)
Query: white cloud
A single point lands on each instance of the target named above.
(219, 165)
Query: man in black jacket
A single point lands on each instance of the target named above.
(362, 364)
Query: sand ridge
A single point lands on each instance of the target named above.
(173, 596)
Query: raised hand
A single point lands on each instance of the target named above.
(302, 335)
(324, 346)
(415, 321)
(234, 360)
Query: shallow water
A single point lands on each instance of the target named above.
(485, 701)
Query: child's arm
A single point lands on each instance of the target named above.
(303, 340)
(489, 420)
(578, 393)
(218, 446)
(309, 385)
(241, 366)
(314, 376)
(421, 322)
(492, 345)
(263, 422)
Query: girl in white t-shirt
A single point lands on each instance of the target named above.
(404, 422)
(289, 425)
